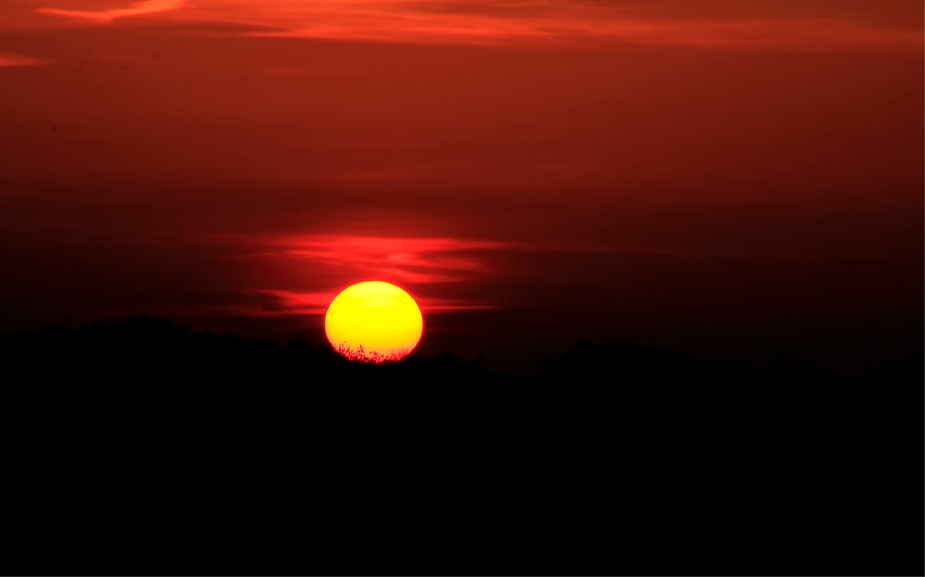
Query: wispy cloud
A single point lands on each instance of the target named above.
(415, 260)
(404, 261)
(103, 16)
(439, 305)
(277, 303)
(523, 23)
(332, 262)
(10, 59)
(540, 22)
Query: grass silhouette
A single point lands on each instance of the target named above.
(375, 357)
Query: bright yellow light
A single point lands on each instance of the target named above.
(373, 321)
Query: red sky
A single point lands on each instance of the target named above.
(719, 175)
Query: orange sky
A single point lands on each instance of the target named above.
(535, 172)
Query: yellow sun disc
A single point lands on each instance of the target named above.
(373, 321)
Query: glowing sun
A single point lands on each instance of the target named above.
(373, 321)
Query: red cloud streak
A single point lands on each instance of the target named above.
(536, 23)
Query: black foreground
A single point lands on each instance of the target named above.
(142, 448)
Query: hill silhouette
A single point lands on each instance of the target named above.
(140, 447)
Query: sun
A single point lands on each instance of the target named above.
(373, 321)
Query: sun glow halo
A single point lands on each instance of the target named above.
(373, 321)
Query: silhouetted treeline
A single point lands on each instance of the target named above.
(203, 453)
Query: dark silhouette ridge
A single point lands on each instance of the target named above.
(205, 454)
